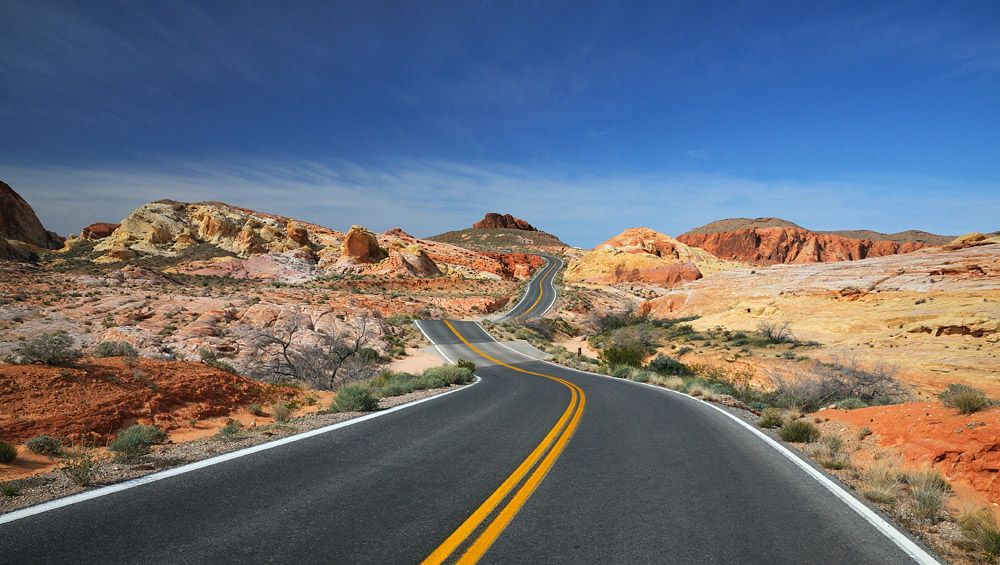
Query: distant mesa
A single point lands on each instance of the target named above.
(20, 228)
(494, 220)
(770, 241)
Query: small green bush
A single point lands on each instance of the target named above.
(642, 376)
(665, 365)
(8, 452)
(256, 409)
(115, 349)
(465, 364)
(799, 431)
(8, 489)
(136, 441)
(622, 372)
(232, 430)
(851, 404)
(44, 445)
(450, 375)
(50, 349)
(621, 355)
(964, 398)
(927, 502)
(79, 465)
(771, 418)
(355, 398)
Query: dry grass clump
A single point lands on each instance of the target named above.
(964, 398)
(979, 527)
(828, 452)
(799, 431)
(928, 491)
(673, 383)
(882, 483)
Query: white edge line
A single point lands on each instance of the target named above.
(152, 478)
(888, 530)
(552, 285)
(428, 338)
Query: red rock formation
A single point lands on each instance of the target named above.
(18, 221)
(361, 246)
(506, 221)
(99, 230)
(773, 245)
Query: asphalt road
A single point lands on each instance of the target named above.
(541, 292)
(622, 474)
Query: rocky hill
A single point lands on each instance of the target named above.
(769, 241)
(216, 239)
(641, 255)
(19, 226)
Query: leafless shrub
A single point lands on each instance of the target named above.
(825, 383)
(775, 332)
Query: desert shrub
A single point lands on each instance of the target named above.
(927, 502)
(827, 452)
(232, 430)
(673, 383)
(771, 418)
(851, 404)
(665, 365)
(449, 374)
(115, 349)
(44, 445)
(827, 383)
(799, 431)
(282, 411)
(354, 398)
(466, 364)
(209, 358)
(882, 483)
(775, 332)
(256, 409)
(9, 489)
(964, 398)
(926, 478)
(621, 355)
(78, 465)
(136, 441)
(49, 349)
(8, 452)
(614, 320)
(622, 372)
(979, 528)
(863, 432)
(642, 376)
(683, 351)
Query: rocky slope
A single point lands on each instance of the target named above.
(642, 255)
(770, 241)
(935, 312)
(19, 223)
(240, 243)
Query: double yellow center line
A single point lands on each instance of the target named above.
(547, 452)
(537, 300)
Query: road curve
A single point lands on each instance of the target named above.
(540, 294)
(643, 476)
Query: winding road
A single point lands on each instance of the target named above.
(536, 463)
(541, 292)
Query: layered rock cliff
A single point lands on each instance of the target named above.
(505, 221)
(18, 222)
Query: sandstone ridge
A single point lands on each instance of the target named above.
(774, 244)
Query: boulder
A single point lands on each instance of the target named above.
(18, 221)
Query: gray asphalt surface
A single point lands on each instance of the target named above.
(540, 286)
(649, 477)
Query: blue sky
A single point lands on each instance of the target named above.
(583, 118)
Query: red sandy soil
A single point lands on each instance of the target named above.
(964, 448)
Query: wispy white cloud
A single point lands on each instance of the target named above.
(427, 197)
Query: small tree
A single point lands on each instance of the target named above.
(775, 332)
(49, 349)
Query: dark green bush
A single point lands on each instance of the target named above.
(44, 445)
(115, 349)
(771, 418)
(964, 398)
(50, 349)
(8, 452)
(354, 398)
(231, 430)
(799, 431)
(465, 364)
(622, 355)
(136, 441)
(450, 375)
(622, 372)
(665, 365)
